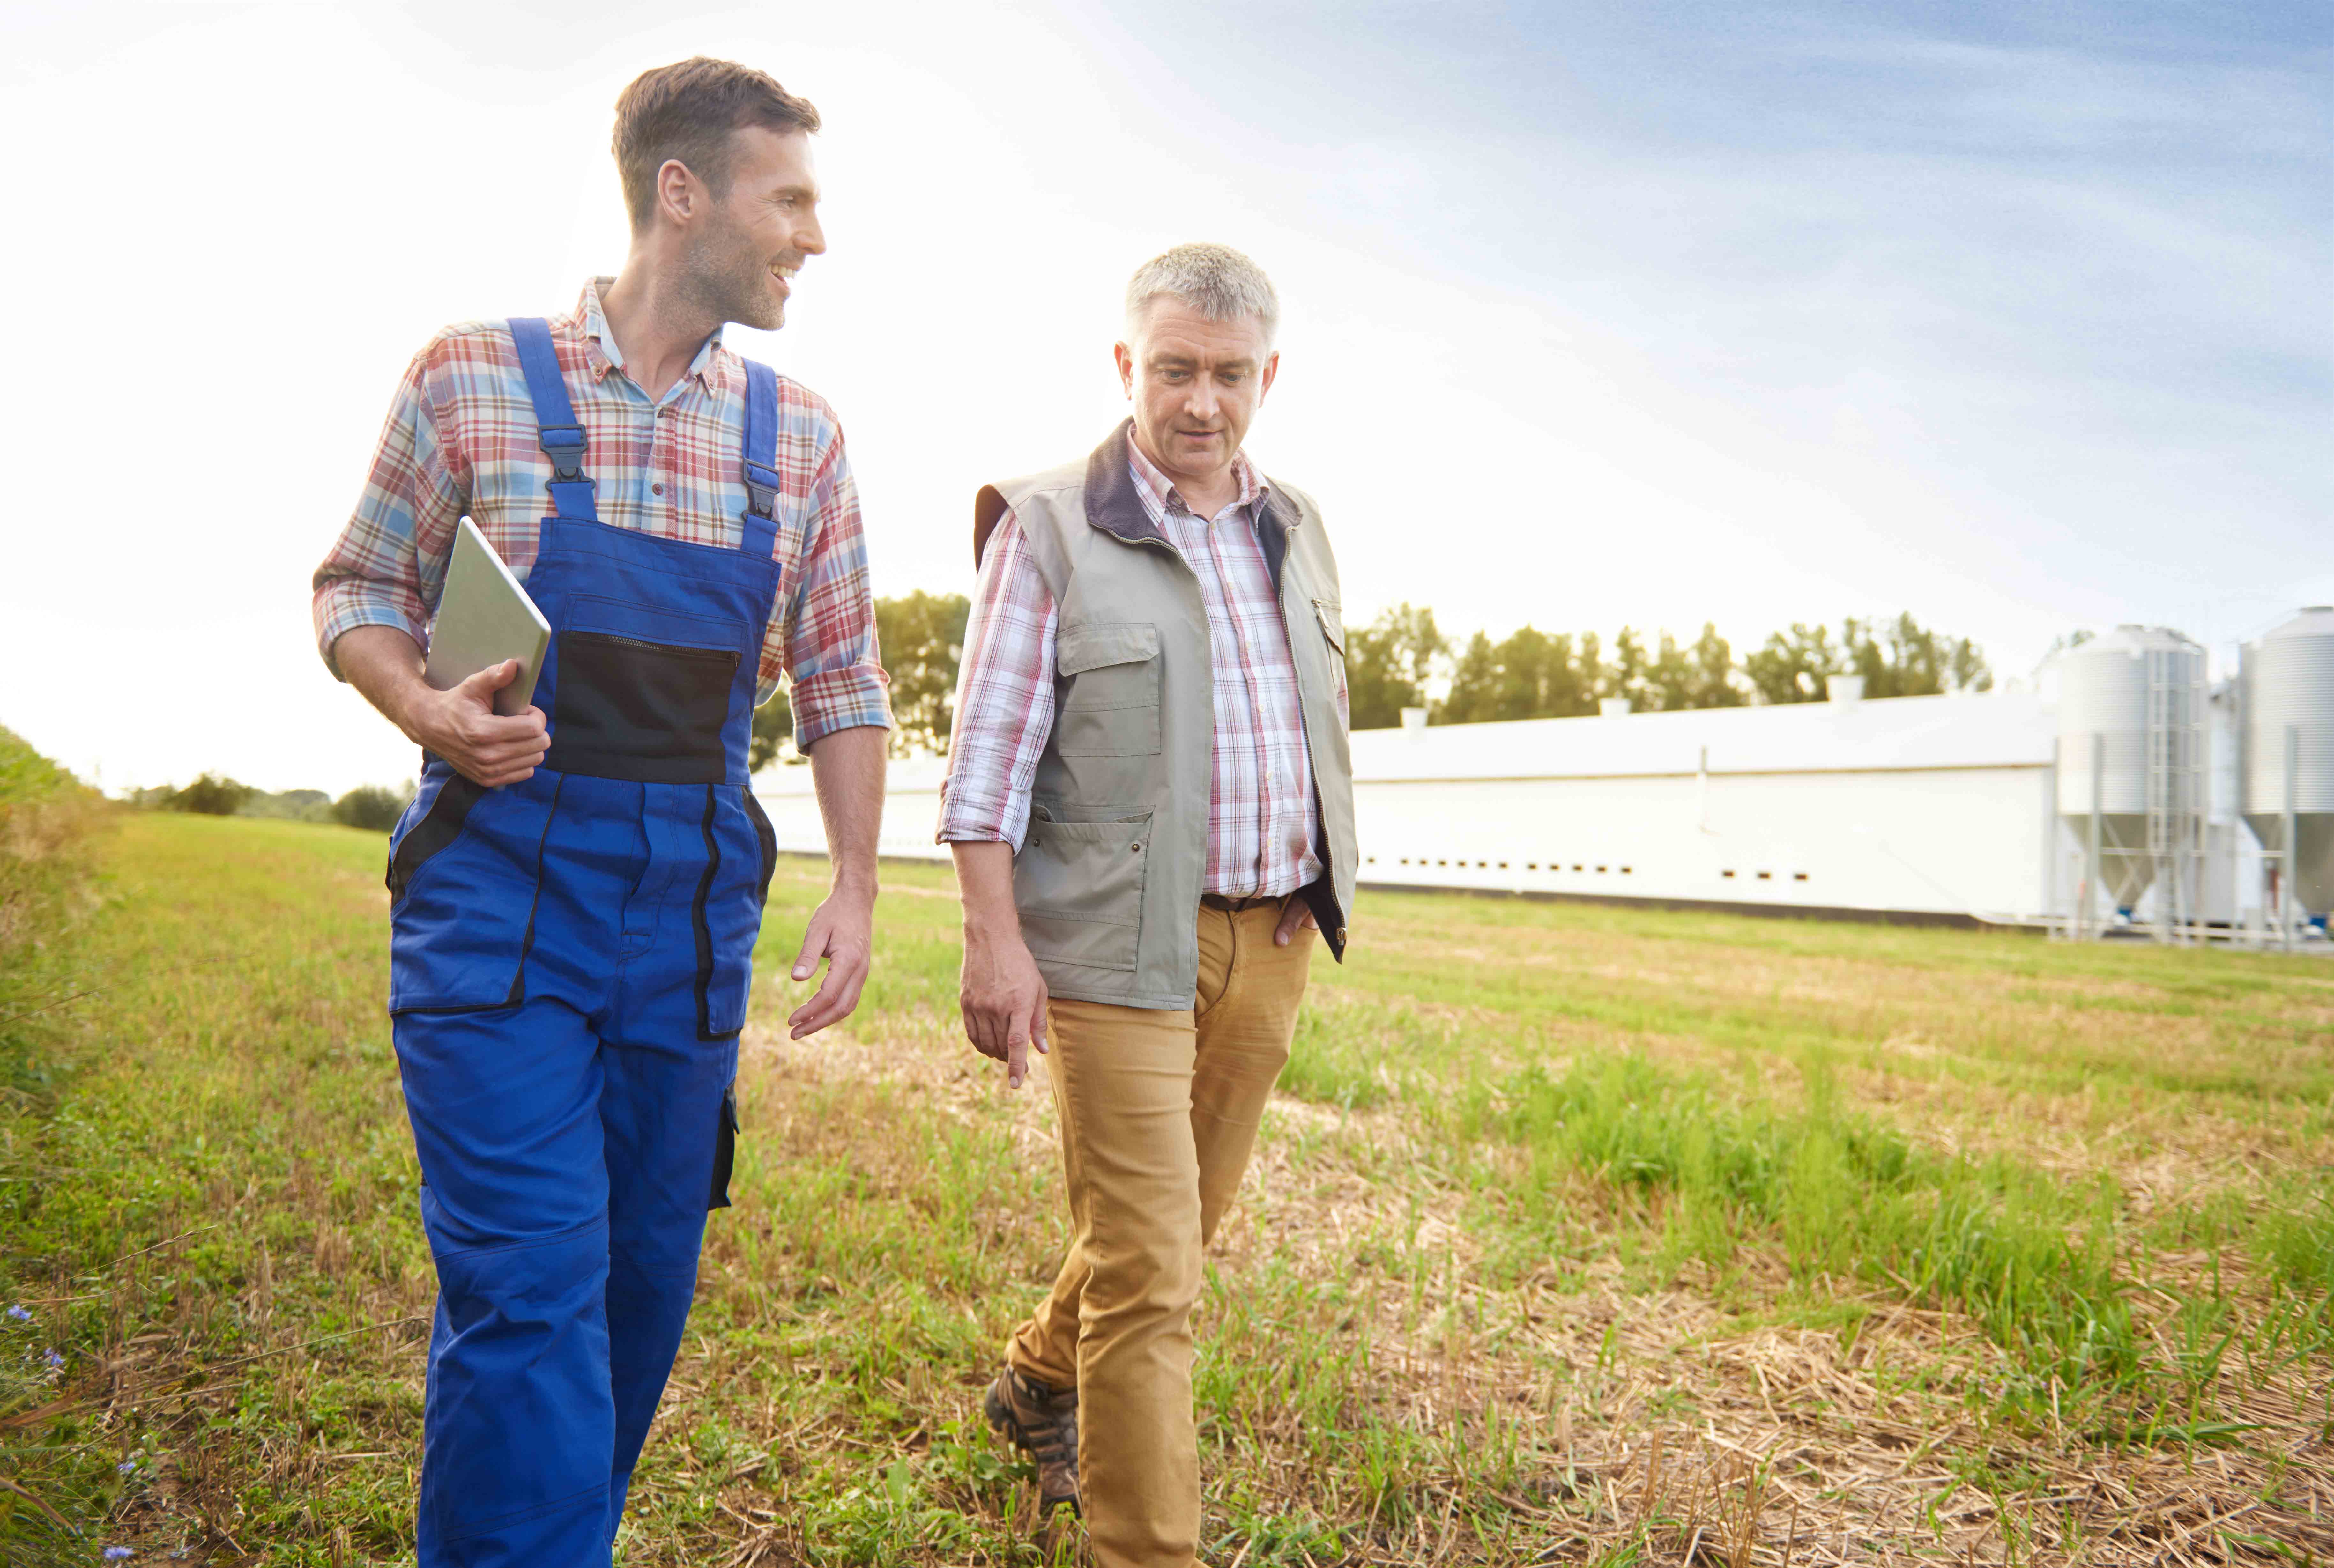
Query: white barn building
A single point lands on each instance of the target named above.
(2005, 808)
(1937, 807)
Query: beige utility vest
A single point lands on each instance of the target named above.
(1109, 877)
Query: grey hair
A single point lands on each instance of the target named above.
(1214, 280)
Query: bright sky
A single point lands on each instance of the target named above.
(2016, 317)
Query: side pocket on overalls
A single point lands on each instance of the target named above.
(431, 823)
(769, 836)
(725, 1148)
(727, 911)
(463, 884)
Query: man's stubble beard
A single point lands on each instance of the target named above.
(727, 280)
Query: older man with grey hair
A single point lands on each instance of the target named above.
(1150, 802)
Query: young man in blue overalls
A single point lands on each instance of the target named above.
(575, 892)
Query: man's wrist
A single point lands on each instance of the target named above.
(404, 710)
(853, 883)
(987, 928)
(385, 664)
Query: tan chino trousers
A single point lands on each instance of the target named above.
(1159, 1112)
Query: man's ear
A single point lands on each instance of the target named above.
(1124, 357)
(677, 190)
(1264, 383)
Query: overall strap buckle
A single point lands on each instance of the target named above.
(763, 480)
(558, 430)
(564, 446)
(761, 489)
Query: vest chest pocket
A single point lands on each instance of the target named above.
(1110, 703)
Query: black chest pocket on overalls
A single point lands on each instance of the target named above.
(650, 712)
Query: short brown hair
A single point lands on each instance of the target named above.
(686, 111)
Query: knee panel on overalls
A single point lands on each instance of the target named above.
(538, 1282)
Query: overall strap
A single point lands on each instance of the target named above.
(556, 430)
(761, 535)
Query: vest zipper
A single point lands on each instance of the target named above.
(1312, 769)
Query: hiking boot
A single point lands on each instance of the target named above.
(1044, 1422)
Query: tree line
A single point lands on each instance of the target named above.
(1402, 659)
(367, 806)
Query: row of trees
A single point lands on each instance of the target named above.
(922, 638)
(1402, 659)
(211, 796)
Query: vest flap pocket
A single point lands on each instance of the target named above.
(1333, 625)
(1078, 648)
(1079, 888)
(1111, 705)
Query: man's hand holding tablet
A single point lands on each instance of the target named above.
(470, 703)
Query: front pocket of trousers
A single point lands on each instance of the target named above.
(650, 712)
(1079, 890)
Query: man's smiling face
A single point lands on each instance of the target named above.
(1196, 383)
(742, 264)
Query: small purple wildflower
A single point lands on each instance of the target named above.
(116, 1553)
(20, 1315)
(56, 1362)
(125, 1468)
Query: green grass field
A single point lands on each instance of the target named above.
(1577, 1236)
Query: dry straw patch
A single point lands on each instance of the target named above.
(1654, 1422)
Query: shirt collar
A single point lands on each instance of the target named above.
(1162, 489)
(604, 353)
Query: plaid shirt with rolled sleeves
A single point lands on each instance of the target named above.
(461, 438)
(1262, 819)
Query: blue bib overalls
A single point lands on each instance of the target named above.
(569, 962)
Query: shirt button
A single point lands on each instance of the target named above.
(656, 489)
(1341, 936)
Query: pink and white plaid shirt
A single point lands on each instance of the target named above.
(1260, 807)
(461, 438)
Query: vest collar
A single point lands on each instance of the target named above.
(1112, 506)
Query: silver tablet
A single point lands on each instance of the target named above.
(484, 617)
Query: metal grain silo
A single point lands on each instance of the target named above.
(2131, 706)
(2286, 758)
